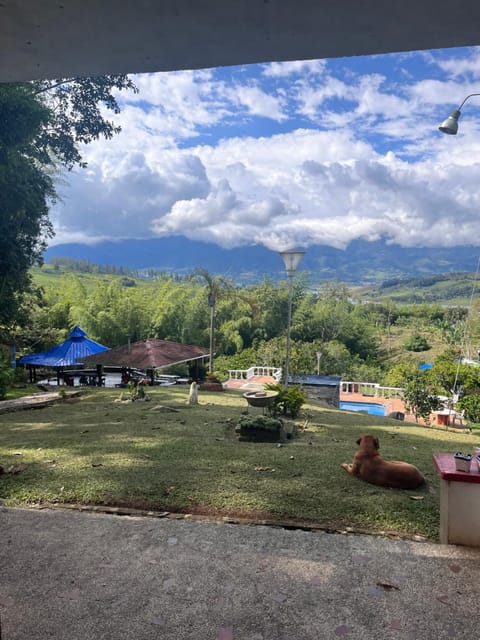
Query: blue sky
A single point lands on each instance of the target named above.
(288, 154)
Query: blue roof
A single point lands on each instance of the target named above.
(67, 353)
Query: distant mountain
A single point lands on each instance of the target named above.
(360, 262)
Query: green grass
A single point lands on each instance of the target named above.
(97, 451)
(21, 390)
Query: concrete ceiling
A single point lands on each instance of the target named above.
(62, 38)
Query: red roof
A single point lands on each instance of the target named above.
(148, 354)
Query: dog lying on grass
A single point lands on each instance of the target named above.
(369, 466)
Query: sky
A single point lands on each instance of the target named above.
(288, 155)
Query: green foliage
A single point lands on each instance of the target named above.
(416, 343)
(260, 422)
(419, 397)
(471, 406)
(6, 376)
(41, 125)
(289, 400)
(26, 190)
(245, 359)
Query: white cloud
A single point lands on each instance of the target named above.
(235, 157)
(296, 67)
(258, 102)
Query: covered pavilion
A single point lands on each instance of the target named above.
(150, 355)
(69, 353)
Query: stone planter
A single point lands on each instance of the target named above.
(260, 429)
(211, 386)
(259, 435)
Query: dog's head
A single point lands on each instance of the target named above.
(368, 442)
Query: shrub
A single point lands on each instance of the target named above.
(265, 423)
(416, 343)
(471, 406)
(6, 378)
(289, 400)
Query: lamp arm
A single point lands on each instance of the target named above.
(465, 99)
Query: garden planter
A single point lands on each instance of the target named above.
(211, 386)
(260, 429)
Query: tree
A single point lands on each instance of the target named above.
(25, 192)
(216, 287)
(419, 396)
(41, 125)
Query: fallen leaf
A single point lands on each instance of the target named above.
(97, 464)
(342, 630)
(416, 497)
(387, 586)
(455, 568)
(443, 598)
(225, 633)
(279, 597)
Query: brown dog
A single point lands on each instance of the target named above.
(369, 466)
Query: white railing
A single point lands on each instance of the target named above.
(372, 389)
(246, 374)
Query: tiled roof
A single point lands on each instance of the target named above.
(148, 354)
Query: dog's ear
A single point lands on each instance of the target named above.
(359, 440)
(376, 443)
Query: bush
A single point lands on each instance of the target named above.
(289, 400)
(6, 378)
(248, 423)
(471, 406)
(416, 343)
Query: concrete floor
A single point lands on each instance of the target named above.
(82, 576)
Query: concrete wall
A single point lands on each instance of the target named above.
(325, 393)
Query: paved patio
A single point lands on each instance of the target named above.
(83, 576)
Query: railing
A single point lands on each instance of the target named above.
(246, 374)
(372, 389)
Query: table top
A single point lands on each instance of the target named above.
(445, 466)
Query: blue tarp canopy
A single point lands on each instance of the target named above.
(424, 367)
(69, 353)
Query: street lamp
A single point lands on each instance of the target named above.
(319, 355)
(291, 260)
(211, 304)
(450, 125)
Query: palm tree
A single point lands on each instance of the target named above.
(216, 287)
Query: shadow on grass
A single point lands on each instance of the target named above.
(98, 451)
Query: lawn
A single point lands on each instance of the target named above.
(95, 450)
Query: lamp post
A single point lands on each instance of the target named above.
(450, 125)
(291, 260)
(211, 304)
(319, 355)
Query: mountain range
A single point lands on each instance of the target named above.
(361, 262)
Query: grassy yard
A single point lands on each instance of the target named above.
(94, 450)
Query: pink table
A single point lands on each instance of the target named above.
(459, 502)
